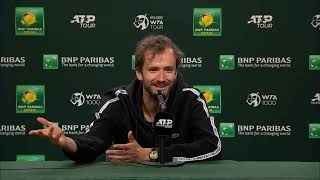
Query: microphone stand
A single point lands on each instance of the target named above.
(161, 138)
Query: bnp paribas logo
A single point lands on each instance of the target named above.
(207, 22)
(31, 157)
(314, 131)
(50, 61)
(133, 62)
(227, 130)
(226, 62)
(314, 62)
(212, 95)
(29, 21)
(30, 99)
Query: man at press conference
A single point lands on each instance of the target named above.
(129, 119)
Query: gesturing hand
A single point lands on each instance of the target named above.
(53, 133)
(130, 152)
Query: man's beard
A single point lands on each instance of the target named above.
(153, 93)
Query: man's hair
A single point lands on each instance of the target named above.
(155, 44)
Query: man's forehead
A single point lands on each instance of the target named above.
(150, 54)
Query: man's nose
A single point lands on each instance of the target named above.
(161, 76)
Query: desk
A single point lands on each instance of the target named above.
(224, 169)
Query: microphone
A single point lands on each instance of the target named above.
(163, 124)
(161, 99)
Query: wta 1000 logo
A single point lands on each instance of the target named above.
(256, 99)
(80, 99)
(315, 22)
(143, 21)
(316, 99)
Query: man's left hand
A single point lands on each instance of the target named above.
(130, 152)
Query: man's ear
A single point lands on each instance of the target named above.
(138, 74)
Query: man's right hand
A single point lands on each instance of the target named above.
(55, 135)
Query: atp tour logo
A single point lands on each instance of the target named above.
(254, 99)
(165, 123)
(316, 21)
(85, 21)
(316, 99)
(79, 99)
(142, 22)
(262, 21)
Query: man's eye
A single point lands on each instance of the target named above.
(153, 70)
(169, 70)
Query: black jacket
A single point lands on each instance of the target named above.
(195, 136)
